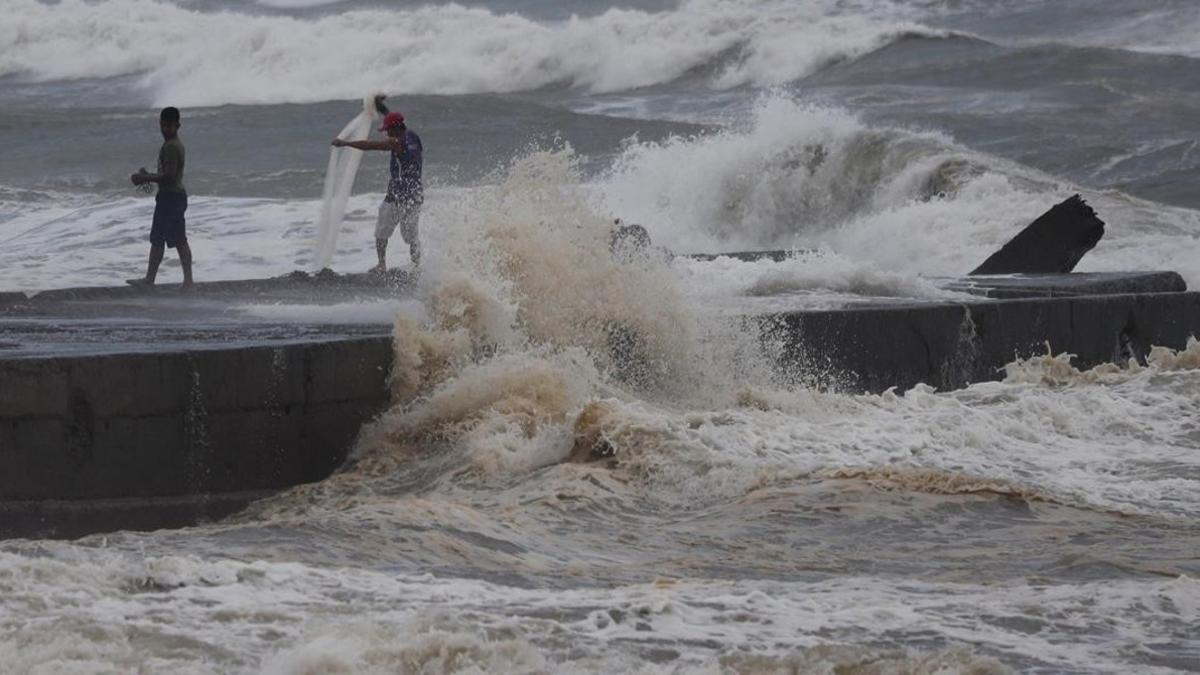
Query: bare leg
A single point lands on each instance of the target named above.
(381, 251)
(409, 229)
(185, 261)
(156, 257)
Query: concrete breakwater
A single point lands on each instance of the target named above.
(100, 436)
(951, 345)
(150, 440)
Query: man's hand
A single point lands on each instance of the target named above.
(138, 178)
(338, 143)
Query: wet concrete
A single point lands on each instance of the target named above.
(951, 345)
(148, 408)
(179, 425)
(212, 315)
(1066, 285)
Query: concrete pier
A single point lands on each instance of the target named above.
(166, 431)
(951, 345)
(122, 409)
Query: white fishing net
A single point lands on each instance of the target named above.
(339, 180)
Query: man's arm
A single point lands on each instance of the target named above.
(170, 170)
(386, 144)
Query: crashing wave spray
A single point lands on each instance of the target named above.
(531, 319)
(339, 179)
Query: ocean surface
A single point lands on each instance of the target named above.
(1046, 523)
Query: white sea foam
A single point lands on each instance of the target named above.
(297, 4)
(226, 57)
(805, 278)
(89, 610)
(795, 175)
(1108, 456)
(100, 242)
(906, 202)
(379, 312)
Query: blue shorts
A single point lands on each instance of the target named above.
(168, 226)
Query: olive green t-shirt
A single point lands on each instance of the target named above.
(170, 166)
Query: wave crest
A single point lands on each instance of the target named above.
(227, 57)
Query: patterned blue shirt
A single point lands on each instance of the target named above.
(405, 183)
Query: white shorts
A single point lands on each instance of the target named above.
(405, 214)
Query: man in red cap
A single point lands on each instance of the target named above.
(405, 193)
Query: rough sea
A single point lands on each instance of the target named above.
(744, 523)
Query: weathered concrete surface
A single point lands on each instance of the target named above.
(1065, 285)
(43, 337)
(181, 425)
(70, 518)
(215, 315)
(950, 345)
(297, 285)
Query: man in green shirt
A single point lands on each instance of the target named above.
(168, 228)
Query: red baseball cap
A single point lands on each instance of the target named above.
(392, 119)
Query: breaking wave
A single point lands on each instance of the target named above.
(227, 57)
(893, 201)
(531, 317)
(539, 351)
(799, 174)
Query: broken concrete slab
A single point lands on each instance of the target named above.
(1054, 243)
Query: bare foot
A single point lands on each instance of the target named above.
(378, 269)
(140, 282)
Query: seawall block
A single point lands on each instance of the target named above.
(182, 424)
(869, 349)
